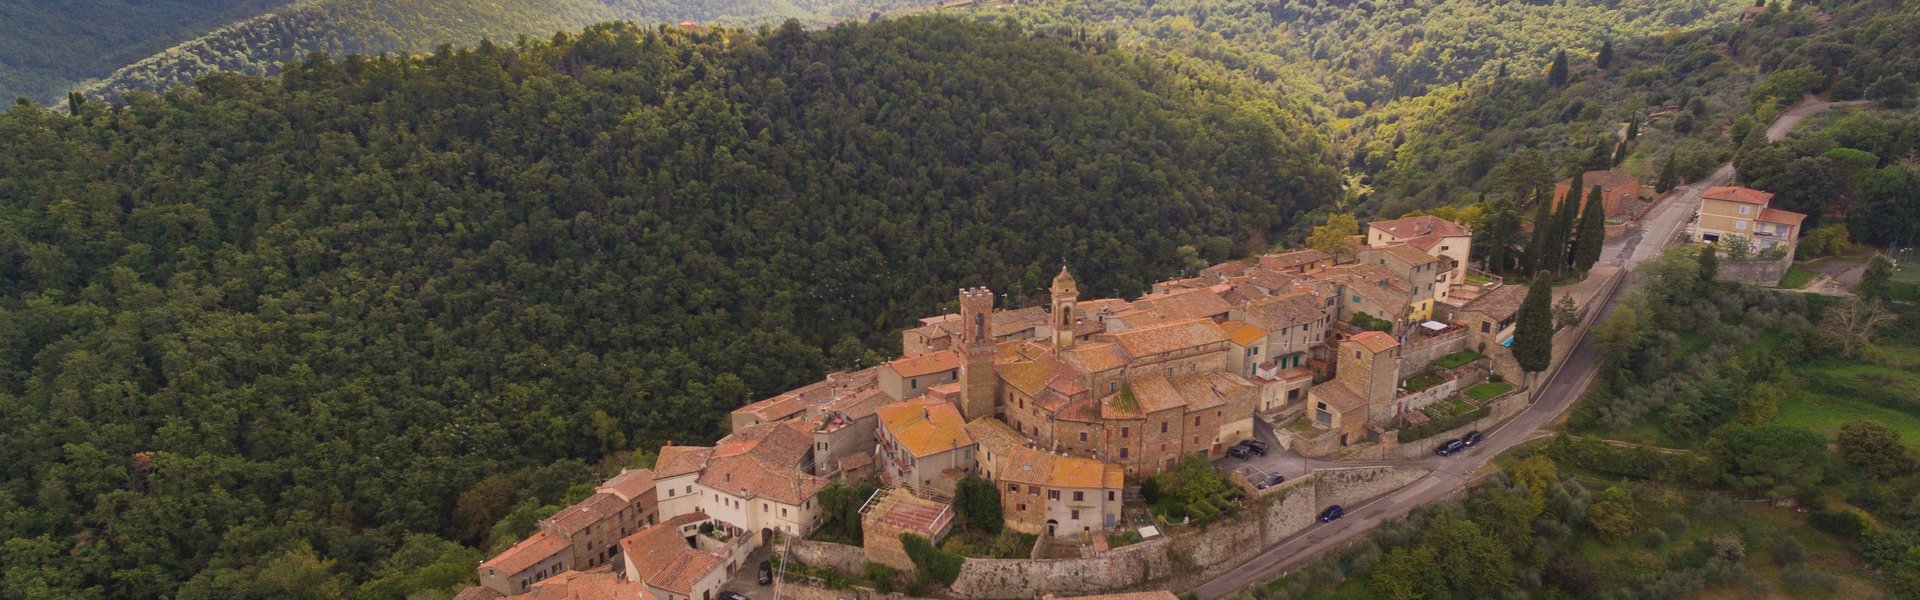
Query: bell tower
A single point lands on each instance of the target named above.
(979, 383)
(1064, 292)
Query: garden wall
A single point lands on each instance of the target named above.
(1499, 410)
(1766, 273)
(1186, 559)
(1420, 352)
(839, 557)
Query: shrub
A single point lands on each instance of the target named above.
(1653, 539)
(881, 576)
(1789, 551)
(1675, 524)
(933, 563)
(1850, 523)
(1808, 581)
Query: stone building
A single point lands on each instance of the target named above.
(578, 538)
(1056, 495)
(1432, 235)
(1362, 391)
(910, 377)
(924, 444)
(686, 557)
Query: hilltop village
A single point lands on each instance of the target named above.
(1061, 406)
(1064, 407)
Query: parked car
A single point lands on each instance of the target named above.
(1450, 446)
(1329, 515)
(731, 596)
(1240, 452)
(1256, 446)
(1472, 437)
(1272, 479)
(766, 572)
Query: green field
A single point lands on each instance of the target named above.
(1796, 277)
(1458, 359)
(1906, 283)
(1488, 391)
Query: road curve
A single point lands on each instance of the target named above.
(1564, 385)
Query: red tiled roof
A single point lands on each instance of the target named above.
(925, 427)
(1243, 333)
(1184, 304)
(1337, 396)
(630, 484)
(598, 584)
(529, 552)
(655, 548)
(926, 364)
(1739, 194)
(1406, 253)
(1375, 341)
(1412, 227)
(1499, 304)
(1784, 217)
(1163, 338)
(1294, 259)
(583, 514)
(675, 461)
(688, 568)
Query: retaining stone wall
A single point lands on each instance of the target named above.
(1416, 356)
(839, 557)
(1765, 273)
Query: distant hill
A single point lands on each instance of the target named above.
(48, 46)
(259, 45)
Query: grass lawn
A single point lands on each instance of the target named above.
(1906, 282)
(1796, 277)
(980, 544)
(1826, 414)
(1488, 391)
(1473, 279)
(1458, 359)
(1423, 380)
(1446, 408)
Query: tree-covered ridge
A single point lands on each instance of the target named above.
(260, 45)
(46, 46)
(254, 332)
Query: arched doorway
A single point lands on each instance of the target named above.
(1051, 524)
(766, 536)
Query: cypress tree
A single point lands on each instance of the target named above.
(1535, 260)
(1619, 155)
(1557, 75)
(1561, 233)
(1606, 55)
(1533, 327)
(1633, 127)
(1592, 235)
(1669, 175)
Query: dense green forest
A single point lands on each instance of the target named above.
(48, 46)
(340, 27)
(281, 337)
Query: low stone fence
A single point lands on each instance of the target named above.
(1185, 559)
(801, 591)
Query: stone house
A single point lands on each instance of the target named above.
(686, 557)
(1363, 389)
(1421, 271)
(924, 444)
(1057, 496)
(1435, 236)
(580, 537)
(1727, 212)
(910, 377)
(1490, 318)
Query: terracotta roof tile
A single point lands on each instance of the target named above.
(675, 461)
(1500, 304)
(571, 520)
(1375, 341)
(1033, 467)
(925, 427)
(1154, 393)
(1337, 396)
(529, 552)
(630, 485)
(1412, 227)
(1184, 304)
(1785, 217)
(749, 477)
(994, 435)
(1168, 337)
(1242, 333)
(1095, 357)
(1294, 259)
(1406, 253)
(680, 575)
(1738, 194)
(477, 593)
(598, 584)
(927, 364)
(782, 443)
(655, 548)
(1284, 311)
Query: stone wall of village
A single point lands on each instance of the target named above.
(1421, 351)
(1185, 559)
(839, 557)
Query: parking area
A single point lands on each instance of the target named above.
(746, 581)
(1277, 460)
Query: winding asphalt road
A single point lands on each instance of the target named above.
(1563, 386)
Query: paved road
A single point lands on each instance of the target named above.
(1563, 386)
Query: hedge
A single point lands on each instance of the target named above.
(1632, 461)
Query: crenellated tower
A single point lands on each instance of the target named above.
(979, 382)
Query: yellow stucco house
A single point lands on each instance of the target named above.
(1727, 212)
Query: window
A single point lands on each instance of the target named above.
(1023, 403)
(1113, 386)
(1740, 225)
(1109, 496)
(783, 511)
(1163, 427)
(1022, 507)
(1196, 420)
(1076, 515)
(1743, 209)
(670, 492)
(1484, 327)
(1079, 496)
(1033, 490)
(1196, 440)
(1123, 433)
(1083, 436)
(913, 384)
(1013, 487)
(1053, 494)
(1123, 453)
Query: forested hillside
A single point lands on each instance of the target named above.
(283, 338)
(1438, 102)
(260, 45)
(47, 46)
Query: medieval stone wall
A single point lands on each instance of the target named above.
(1766, 273)
(1416, 355)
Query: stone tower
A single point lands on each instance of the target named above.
(1370, 366)
(979, 383)
(1064, 293)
